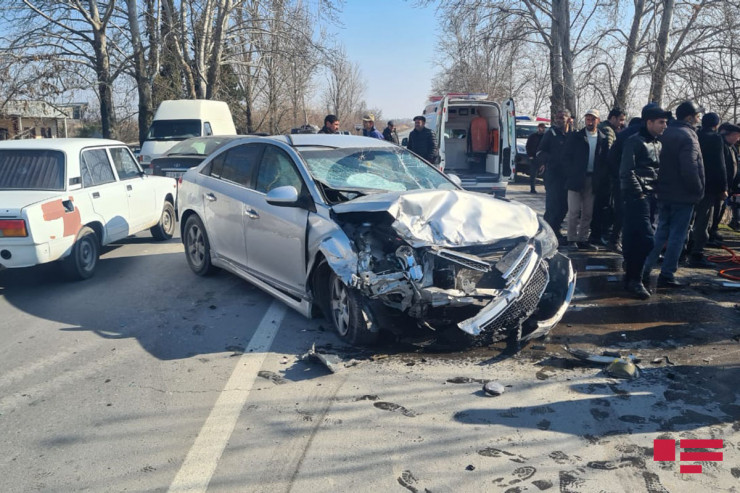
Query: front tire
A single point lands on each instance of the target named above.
(197, 247)
(165, 228)
(81, 263)
(348, 314)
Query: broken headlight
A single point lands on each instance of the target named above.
(545, 240)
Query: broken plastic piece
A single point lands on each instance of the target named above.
(623, 368)
(493, 388)
(331, 361)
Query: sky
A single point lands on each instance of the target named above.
(393, 44)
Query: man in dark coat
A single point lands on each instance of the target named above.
(585, 155)
(638, 173)
(680, 186)
(389, 133)
(731, 135)
(533, 142)
(550, 156)
(605, 207)
(331, 125)
(422, 141)
(715, 188)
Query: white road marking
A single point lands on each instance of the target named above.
(200, 463)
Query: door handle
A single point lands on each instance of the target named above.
(129, 188)
(96, 195)
(209, 196)
(251, 213)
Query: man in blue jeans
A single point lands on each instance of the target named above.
(679, 187)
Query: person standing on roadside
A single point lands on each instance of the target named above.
(422, 141)
(331, 125)
(533, 142)
(389, 133)
(679, 187)
(550, 157)
(585, 155)
(715, 188)
(638, 172)
(368, 128)
(606, 209)
(731, 135)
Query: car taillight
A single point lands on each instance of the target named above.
(13, 227)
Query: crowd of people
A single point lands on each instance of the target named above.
(657, 188)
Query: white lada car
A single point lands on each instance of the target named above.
(62, 199)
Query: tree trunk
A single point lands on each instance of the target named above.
(141, 71)
(620, 100)
(557, 99)
(569, 91)
(657, 82)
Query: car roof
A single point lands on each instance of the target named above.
(67, 145)
(330, 140)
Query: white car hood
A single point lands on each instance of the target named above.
(448, 218)
(13, 201)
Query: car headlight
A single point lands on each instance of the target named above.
(545, 240)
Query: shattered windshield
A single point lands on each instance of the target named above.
(371, 170)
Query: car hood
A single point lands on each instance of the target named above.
(12, 201)
(448, 218)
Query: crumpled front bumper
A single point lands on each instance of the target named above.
(537, 282)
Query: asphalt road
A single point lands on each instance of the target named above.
(148, 378)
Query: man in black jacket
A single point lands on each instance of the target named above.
(585, 157)
(422, 141)
(389, 133)
(331, 125)
(638, 172)
(680, 186)
(550, 155)
(533, 142)
(715, 188)
(731, 135)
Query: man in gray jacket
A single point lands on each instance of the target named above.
(679, 187)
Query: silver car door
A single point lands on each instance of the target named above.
(276, 236)
(225, 192)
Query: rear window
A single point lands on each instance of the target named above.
(31, 170)
(173, 129)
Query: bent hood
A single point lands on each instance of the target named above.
(448, 218)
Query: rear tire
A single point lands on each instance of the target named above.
(197, 247)
(349, 314)
(165, 228)
(81, 263)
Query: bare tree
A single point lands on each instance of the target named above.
(343, 95)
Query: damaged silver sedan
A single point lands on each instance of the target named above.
(372, 237)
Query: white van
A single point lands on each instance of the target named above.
(476, 139)
(180, 119)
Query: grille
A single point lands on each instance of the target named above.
(468, 261)
(525, 305)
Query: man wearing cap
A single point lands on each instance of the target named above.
(389, 133)
(331, 125)
(638, 172)
(533, 142)
(584, 156)
(715, 188)
(679, 187)
(368, 127)
(422, 141)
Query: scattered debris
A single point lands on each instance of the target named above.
(669, 362)
(272, 376)
(539, 348)
(331, 361)
(493, 388)
(613, 354)
(621, 368)
(466, 380)
(470, 467)
(657, 361)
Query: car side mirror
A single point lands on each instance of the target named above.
(405, 142)
(286, 196)
(455, 179)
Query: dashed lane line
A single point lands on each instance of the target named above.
(200, 463)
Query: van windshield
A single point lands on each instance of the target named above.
(31, 170)
(173, 129)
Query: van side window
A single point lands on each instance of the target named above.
(95, 168)
(207, 128)
(240, 163)
(125, 163)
